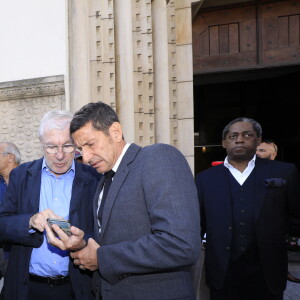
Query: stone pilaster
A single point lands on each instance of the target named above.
(161, 78)
(78, 54)
(124, 67)
(184, 63)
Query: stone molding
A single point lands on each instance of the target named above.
(32, 91)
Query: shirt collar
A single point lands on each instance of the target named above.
(250, 163)
(45, 167)
(115, 168)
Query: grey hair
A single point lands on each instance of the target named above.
(55, 119)
(11, 148)
(256, 126)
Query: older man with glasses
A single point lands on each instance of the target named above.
(55, 186)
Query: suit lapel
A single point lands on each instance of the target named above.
(118, 180)
(112, 194)
(34, 184)
(262, 171)
(77, 194)
(225, 187)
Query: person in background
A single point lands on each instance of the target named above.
(268, 149)
(147, 228)
(10, 158)
(245, 252)
(54, 186)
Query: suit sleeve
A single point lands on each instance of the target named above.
(14, 223)
(170, 196)
(202, 210)
(293, 193)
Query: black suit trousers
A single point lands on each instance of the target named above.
(244, 281)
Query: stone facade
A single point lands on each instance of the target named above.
(22, 105)
(136, 55)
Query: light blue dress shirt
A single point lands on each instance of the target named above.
(55, 194)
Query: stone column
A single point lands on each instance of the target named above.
(161, 71)
(184, 62)
(78, 71)
(124, 67)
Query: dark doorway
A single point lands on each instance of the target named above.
(270, 96)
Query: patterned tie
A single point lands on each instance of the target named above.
(107, 182)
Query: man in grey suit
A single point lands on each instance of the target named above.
(149, 234)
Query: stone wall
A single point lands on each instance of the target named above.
(22, 105)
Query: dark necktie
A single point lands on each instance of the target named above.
(107, 182)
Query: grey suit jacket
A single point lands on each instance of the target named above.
(150, 234)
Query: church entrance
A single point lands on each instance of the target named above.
(246, 60)
(270, 96)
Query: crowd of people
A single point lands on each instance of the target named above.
(137, 215)
(146, 239)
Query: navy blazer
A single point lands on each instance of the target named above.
(277, 198)
(20, 203)
(150, 233)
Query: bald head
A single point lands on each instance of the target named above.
(266, 150)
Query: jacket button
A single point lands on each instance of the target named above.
(227, 248)
(230, 228)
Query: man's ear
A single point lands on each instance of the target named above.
(115, 131)
(258, 141)
(11, 157)
(224, 144)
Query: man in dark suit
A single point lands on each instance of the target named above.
(268, 149)
(245, 205)
(149, 236)
(10, 158)
(53, 186)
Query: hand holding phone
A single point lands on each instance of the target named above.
(62, 223)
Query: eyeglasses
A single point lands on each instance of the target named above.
(234, 136)
(4, 153)
(52, 149)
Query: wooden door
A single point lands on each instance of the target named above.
(249, 36)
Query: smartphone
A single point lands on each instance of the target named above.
(62, 223)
